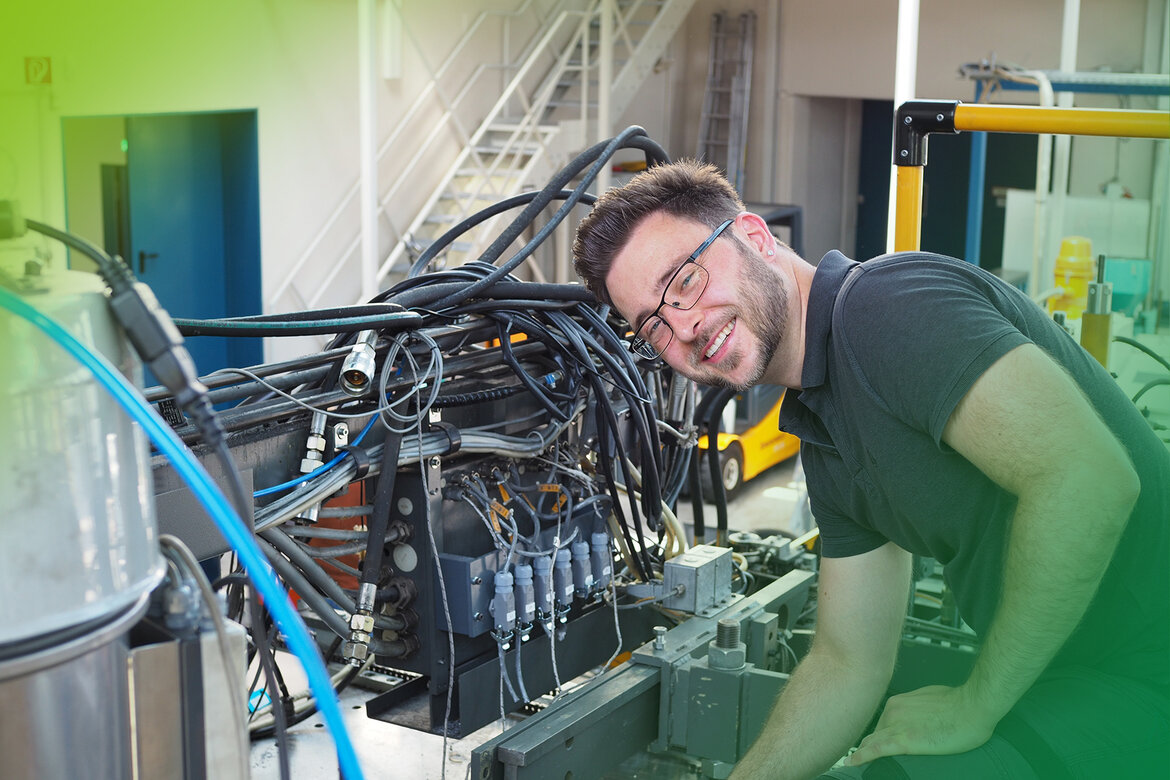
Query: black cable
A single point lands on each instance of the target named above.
(105, 263)
(379, 520)
(217, 380)
(719, 401)
(443, 241)
(1162, 380)
(701, 410)
(1138, 345)
(320, 605)
(351, 674)
(620, 363)
(160, 345)
(396, 322)
(334, 313)
(599, 154)
(528, 382)
(319, 580)
(450, 400)
(268, 665)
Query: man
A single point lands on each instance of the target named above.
(941, 413)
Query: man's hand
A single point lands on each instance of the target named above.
(935, 720)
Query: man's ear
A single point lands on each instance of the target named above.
(755, 230)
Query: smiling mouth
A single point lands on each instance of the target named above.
(720, 337)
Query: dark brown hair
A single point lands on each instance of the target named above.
(687, 189)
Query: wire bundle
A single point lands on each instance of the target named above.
(464, 341)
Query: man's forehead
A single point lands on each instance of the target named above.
(656, 246)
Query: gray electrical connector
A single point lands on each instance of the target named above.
(601, 559)
(525, 600)
(563, 584)
(543, 586)
(582, 571)
(503, 609)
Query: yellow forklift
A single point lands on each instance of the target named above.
(749, 440)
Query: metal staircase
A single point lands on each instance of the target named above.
(469, 153)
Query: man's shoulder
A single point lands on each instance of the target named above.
(903, 268)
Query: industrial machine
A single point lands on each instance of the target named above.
(469, 489)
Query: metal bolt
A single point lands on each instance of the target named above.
(907, 120)
(435, 461)
(727, 633)
(476, 580)
(478, 616)
(659, 637)
(939, 117)
(905, 153)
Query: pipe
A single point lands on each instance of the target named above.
(1063, 143)
(905, 76)
(367, 154)
(1075, 121)
(605, 84)
(907, 202)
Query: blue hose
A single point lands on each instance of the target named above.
(221, 512)
(317, 472)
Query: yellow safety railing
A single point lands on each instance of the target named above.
(917, 119)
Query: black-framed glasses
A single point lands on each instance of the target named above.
(686, 286)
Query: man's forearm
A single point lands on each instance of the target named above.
(1059, 547)
(819, 714)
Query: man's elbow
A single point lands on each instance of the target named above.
(1111, 482)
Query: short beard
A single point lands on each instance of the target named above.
(764, 307)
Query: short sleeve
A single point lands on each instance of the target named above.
(918, 331)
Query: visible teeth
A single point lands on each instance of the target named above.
(723, 334)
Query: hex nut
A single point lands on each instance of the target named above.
(726, 657)
(364, 623)
(356, 650)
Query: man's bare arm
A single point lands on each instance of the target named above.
(1027, 426)
(835, 690)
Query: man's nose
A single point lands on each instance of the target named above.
(684, 322)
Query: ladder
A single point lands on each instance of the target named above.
(724, 121)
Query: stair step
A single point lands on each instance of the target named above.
(454, 246)
(462, 196)
(511, 126)
(570, 103)
(473, 172)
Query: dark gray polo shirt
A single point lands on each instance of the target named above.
(892, 345)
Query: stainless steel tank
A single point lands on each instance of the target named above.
(78, 539)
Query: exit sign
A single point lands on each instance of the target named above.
(38, 70)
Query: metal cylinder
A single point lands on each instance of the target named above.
(78, 542)
(68, 706)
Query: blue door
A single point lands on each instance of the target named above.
(194, 222)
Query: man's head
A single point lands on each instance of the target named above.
(687, 189)
(659, 252)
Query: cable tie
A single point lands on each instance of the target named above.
(454, 437)
(361, 459)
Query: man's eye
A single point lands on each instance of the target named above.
(685, 282)
(652, 327)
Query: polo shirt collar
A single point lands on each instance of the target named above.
(822, 297)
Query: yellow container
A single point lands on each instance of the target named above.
(1074, 270)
